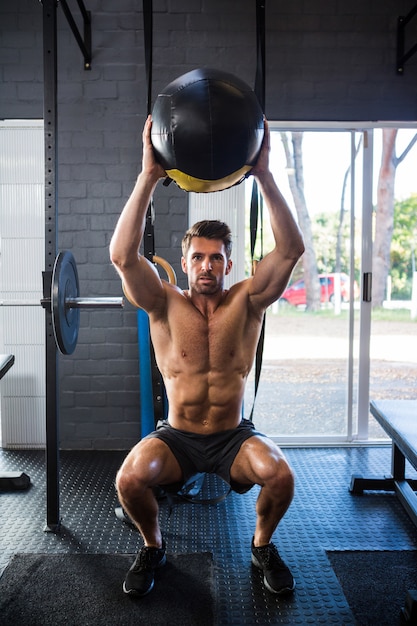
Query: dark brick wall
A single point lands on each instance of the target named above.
(325, 60)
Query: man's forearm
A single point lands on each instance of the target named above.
(287, 235)
(130, 228)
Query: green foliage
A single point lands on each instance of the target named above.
(403, 247)
(325, 227)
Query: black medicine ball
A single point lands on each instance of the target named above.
(207, 130)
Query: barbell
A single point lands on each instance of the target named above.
(65, 301)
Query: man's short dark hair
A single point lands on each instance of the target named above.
(209, 229)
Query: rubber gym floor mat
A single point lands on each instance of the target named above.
(323, 516)
(376, 583)
(87, 591)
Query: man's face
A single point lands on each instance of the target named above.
(206, 265)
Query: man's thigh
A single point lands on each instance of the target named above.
(153, 461)
(258, 459)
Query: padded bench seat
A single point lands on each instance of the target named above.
(399, 420)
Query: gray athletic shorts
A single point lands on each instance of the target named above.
(211, 454)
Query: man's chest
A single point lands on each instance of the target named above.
(218, 339)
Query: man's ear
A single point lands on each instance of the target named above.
(184, 265)
(228, 267)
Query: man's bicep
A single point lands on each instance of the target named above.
(143, 286)
(270, 279)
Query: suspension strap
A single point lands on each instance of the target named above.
(158, 388)
(149, 237)
(148, 39)
(260, 53)
(256, 206)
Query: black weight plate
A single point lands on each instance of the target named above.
(65, 320)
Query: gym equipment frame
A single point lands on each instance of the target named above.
(61, 299)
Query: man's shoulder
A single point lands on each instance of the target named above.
(175, 292)
(175, 297)
(240, 288)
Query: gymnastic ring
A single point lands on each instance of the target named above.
(172, 277)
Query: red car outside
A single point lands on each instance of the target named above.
(295, 294)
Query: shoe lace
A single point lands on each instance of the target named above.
(270, 556)
(143, 559)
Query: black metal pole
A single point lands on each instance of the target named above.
(51, 230)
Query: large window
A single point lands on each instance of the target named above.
(328, 349)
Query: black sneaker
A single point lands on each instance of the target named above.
(277, 577)
(140, 578)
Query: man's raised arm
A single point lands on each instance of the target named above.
(273, 272)
(140, 279)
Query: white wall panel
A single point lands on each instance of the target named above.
(24, 429)
(22, 320)
(22, 210)
(227, 206)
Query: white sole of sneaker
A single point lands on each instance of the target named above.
(133, 592)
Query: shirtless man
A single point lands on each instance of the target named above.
(205, 340)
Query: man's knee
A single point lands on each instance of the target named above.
(287, 478)
(150, 463)
(134, 474)
(129, 482)
(278, 477)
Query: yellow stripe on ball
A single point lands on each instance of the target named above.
(199, 185)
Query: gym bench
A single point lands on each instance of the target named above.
(6, 362)
(399, 420)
